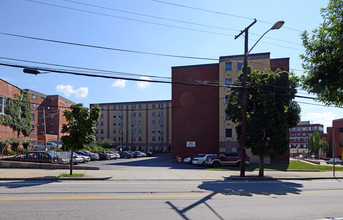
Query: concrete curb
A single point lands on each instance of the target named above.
(279, 178)
(33, 165)
(56, 178)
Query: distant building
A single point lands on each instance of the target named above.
(335, 139)
(47, 115)
(43, 107)
(299, 134)
(136, 125)
(199, 123)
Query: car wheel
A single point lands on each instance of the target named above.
(216, 164)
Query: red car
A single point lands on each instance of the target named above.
(233, 158)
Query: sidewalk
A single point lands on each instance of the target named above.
(157, 174)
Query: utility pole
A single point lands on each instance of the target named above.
(244, 107)
(46, 147)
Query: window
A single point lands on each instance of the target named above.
(160, 122)
(341, 130)
(42, 99)
(102, 123)
(153, 130)
(133, 122)
(120, 115)
(153, 114)
(228, 132)
(102, 116)
(161, 105)
(160, 114)
(102, 131)
(228, 81)
(240, 65)
(51, 124)
(102, 107)
(160, 138)
(133, 106)
(66, 103)
(140, 130)
(114, 123)
(114, 131)
(140, 106)
(34, 96)
(133, 114)
(133, 130)
(161, 130)
(120, 123)
(114, 115)
(139, 138)
(228, 66)
(32, 127)
(34, 105)
(153, 105)
(114, 107)
(32, 116)
(227, 117)
(121, 107)
(153, 122)
(140, 122)
(153, 138)
(3, 103)
(140, 114)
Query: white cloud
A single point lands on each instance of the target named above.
(143, 84)
(119, 83)
(324, 118)
(68, 90)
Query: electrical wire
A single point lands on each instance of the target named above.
(169, 19)
(220, 13)
(104, 48)
(155, 23)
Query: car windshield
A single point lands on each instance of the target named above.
(200, 155)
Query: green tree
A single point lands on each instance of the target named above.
(270, 112)
(315, 143)
(322, 60)
(18, 114)
(80, 126)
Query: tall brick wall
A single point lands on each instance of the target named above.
(195, 111)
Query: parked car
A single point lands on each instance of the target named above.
(63, 157)
(103, 155)
(111, 154)
(116, 154)
(200, 159)
(125, 154)
(38, 156)
(92, 155)
(148, 153)
(49, 146)
(139, 154)
(233, 158)
(76, 158)
(337, 161)
(84, 157)
(187, 160)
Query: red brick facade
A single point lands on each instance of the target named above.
(335, 138)
(195, 111)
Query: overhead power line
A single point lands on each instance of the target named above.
(104, 48)
(170, 19)
(160, 24)
(131, 19)
(220, 13)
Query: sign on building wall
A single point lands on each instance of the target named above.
(190, 144)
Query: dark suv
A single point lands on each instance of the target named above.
(232, 158)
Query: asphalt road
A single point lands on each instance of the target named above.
(171, 199)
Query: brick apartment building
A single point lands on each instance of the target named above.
(50, 106)
(136, 125)
(335, 139)
(47, 115)
(199, 123)
(299, 134)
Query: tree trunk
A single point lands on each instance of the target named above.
(71, 161)
(261, 170)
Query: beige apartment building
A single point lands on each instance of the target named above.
(136, 125)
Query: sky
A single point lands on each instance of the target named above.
(110, 29)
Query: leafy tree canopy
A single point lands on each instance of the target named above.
(322, 60)
(270, 111)
(18, 114)
(81, 126)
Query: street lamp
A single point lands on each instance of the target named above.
(276, 26)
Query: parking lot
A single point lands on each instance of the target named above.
(159, 161)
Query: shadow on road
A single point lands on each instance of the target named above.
(27, 183)
(239, 188)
